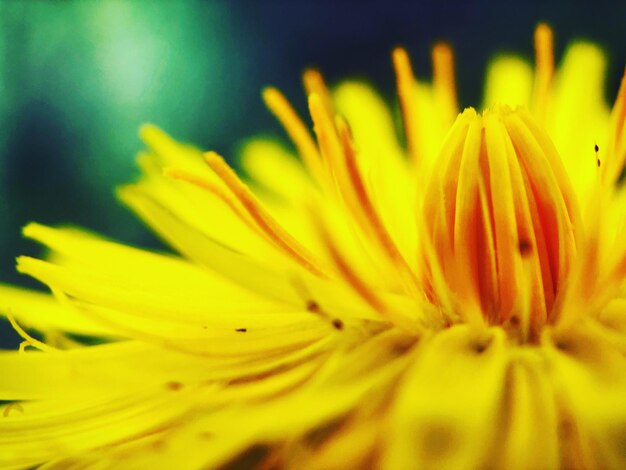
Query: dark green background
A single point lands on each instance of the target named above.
(78, 78)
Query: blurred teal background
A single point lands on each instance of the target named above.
(78, 78)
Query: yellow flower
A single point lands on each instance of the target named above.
(458, 304)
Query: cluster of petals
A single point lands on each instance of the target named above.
(426, 288)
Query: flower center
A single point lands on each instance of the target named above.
(502, 219)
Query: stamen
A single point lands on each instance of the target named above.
(488, 270)
(264, 220)
(362, 289)
(510, 233)
(10, 407)
(295, 128)
(513, 220)
(328, 140)
(314, 84)
(443, 81)
(528, 318)
(465, 233)
(341, 163)
(579, 289)
(538, 247)
(544, 69)
(551, 190)
(367, 207)
(405, 85)
(436, 228)
(28, 339)
(213, 188)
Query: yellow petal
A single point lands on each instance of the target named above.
(530, 403)
(448, 408)
(196, 245)
(103, 370)
(210, 440)
(271, 166)
(156, 285)
(380, 159)
(43, 312)
(48, 430)
(509, 81)
(579, 117)
(589, 377)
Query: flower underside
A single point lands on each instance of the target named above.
(450, 304)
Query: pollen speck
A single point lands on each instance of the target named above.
(313, 307)
(174, 386)
(525, 247)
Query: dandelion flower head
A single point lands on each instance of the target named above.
(447, 293)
